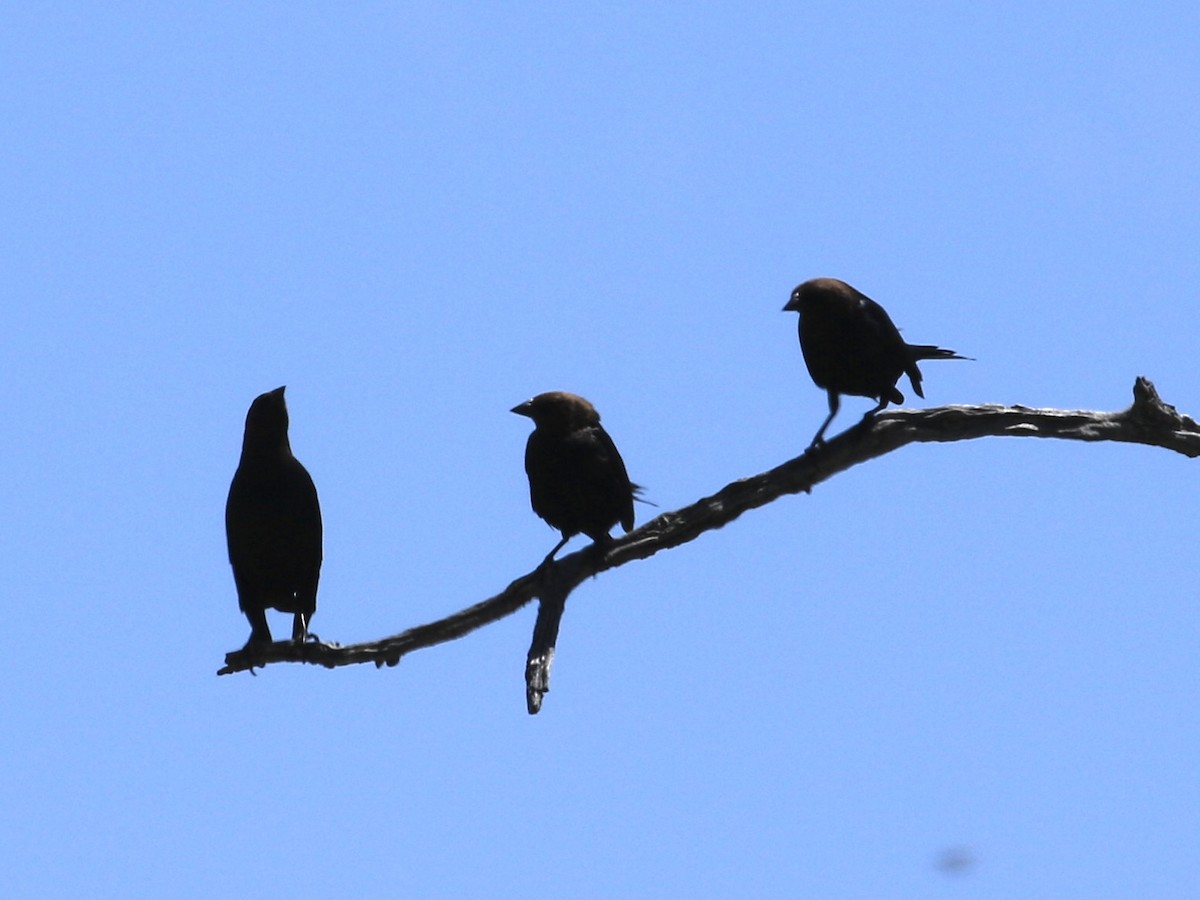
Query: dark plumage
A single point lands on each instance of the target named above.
(851, 346)
(273, 524)
(577, 479)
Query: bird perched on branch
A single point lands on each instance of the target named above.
(851, 346)
(577, 479)
(273, 524)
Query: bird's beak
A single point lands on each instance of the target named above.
(790, 306)
(279, 390)
(523, 409)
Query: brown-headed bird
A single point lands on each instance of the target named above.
(577, 479)
(851, 346)
(273, 524)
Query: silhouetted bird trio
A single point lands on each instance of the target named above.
(273, 524)
(577, 479)
(851, 346)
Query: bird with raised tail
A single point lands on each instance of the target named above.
(851, 346)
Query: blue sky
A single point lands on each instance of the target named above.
(418, 215)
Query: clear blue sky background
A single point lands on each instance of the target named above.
(416, 216)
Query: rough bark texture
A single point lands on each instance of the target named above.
(1148, 421)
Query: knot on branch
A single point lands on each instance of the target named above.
(1147, 405)
(1150, 411)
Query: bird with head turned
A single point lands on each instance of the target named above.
(851, 346)
(577, 479)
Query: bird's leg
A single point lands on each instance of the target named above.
(865, 422)
(299, 628)
(550, 556)
(882, 403)
(599, 549)
(260, 631)
(834, 403)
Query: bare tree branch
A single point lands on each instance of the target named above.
(1148, 421)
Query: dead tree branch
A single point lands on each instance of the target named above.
(1148, 421)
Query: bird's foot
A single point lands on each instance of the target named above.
(257, 641)
(253, 648)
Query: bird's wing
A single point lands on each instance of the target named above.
(882, 329)
(602, 472)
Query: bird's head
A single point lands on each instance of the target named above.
(559, 411)
(267, 417)
(813, 290)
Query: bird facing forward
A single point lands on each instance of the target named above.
(577, 479)
(273, 524)
(851, 346)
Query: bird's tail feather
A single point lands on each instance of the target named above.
(637, 495)
(929, 351)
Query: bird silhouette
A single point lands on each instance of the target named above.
(851, 346)
(273, 524)
(577, 479)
